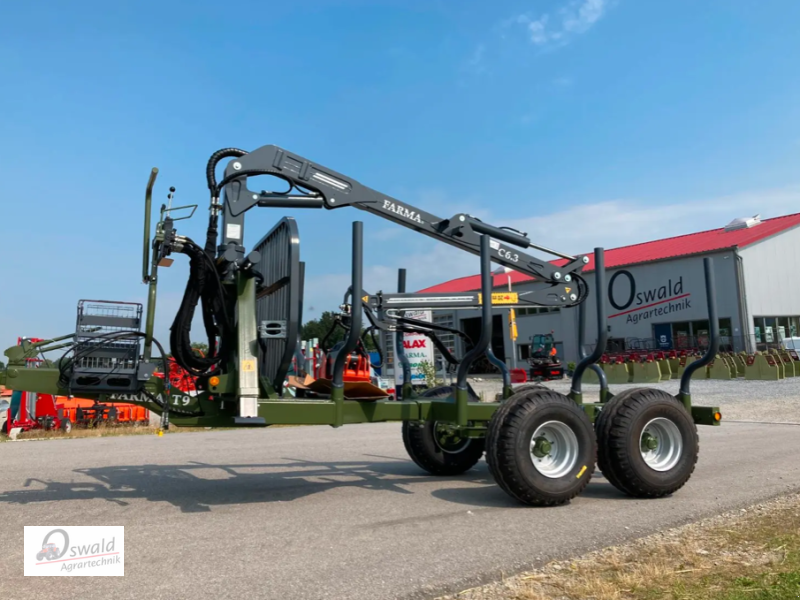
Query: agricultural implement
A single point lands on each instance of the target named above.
(541, 446)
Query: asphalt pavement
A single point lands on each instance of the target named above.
(315, 512)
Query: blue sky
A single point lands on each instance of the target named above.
(584, 122)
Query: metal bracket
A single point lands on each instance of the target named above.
(272, 330)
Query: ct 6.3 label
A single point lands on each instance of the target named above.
(74, 551)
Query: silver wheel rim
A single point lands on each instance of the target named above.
(661, 444)
(554, 449)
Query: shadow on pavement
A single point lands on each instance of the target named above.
(492, 496)
(197, 487)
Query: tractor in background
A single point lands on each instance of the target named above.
(544, 361)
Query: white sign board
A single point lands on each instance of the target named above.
(418, 349)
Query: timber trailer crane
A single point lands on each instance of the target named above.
(541, 446)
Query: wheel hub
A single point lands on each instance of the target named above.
(449, 438)
(649, 441)
(661, 444)
(554, 449)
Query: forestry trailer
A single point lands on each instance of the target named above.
(540, 445)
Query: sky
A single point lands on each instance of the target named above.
(582, 122)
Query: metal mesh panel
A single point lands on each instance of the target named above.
(103, 360)
(278, 299)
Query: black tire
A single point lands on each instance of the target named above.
(499, 415)
(620, 426)
(508, 451)
(39, 556)
(423, 447)
(527, 386)
(519, 389)
(66, 425)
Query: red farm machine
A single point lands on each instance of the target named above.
(48, 412)
(541, 446)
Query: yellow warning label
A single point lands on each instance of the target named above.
(365, 298)
(502, 298)
(248, 366)
(568, 290)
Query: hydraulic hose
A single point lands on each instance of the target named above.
(211, 179)
(203, 285)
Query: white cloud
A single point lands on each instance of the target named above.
(573, 19)
(616, 223)
(579, 18)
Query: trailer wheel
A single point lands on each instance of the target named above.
(66, 425)
(435, 447)
(647, 443)
(541, 448)
(504, 408)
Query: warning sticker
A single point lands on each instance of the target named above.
(502, 298)
(248, 366)
(233, 231)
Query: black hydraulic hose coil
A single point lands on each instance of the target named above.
(211, 179)
(213, 161)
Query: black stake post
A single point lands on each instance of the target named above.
(402, 391)
(300, 359)
(713, 344)
(462, 393)
(353, 335)
(602, 332)
(504, 371)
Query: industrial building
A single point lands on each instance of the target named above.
(656, 294)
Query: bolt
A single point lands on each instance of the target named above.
(573, 297)
(556, 275)
(255, 196)
(462, 218)
(585, 260)
(333, 200)
(237, 166)
(567, 278)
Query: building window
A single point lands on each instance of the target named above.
(523, 351)
(537, 310)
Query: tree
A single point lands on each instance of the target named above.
(203, 348)
(319, 328)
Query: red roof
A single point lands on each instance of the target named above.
(682, 245)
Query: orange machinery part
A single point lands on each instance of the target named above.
(127, 413)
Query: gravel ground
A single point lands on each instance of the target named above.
(691, 541)
(739, 400)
